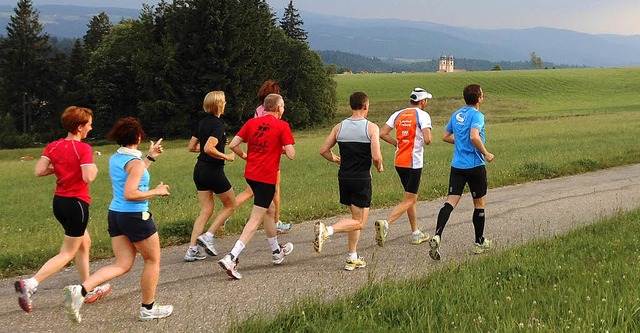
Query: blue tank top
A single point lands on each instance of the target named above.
(119, 175)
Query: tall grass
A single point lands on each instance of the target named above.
(536, 135)
(585, 281)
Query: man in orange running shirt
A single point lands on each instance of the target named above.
(413, 131)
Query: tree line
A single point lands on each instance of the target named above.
(158, 68)
(340, 62)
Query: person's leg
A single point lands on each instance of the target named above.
(408, 200)
(149, 249)
(445, 212)
(70, 246)
(207, 206)
(276, 199)
(257, 214)
(412, 214)
(82, 257)
(228, 207)
(244, 196)
(125, 255)
(478, 188)
(478, 219)
(270, 221)
(353, 226)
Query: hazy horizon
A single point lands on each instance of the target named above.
(620, 17)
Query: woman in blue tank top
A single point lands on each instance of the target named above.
(131, 225)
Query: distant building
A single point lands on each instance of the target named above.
(445, 64)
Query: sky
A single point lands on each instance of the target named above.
(620, 17)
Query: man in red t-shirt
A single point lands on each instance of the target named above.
(267, 138)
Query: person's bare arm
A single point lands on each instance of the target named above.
(235, 147)
(477, 142)
(290, 152)
(426, 134)
(329, 142)
(43, 167)
(384, 135)
(89, 173)
(135, 169)
(448, 137)
(211, 150)
(194, 145)
(376, 154)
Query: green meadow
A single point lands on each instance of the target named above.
(540, 124)
(585, 281)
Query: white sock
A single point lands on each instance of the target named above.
(353, 256)
(209, 235)
(273, 242)
(193, 248)
(329, 230)
(32, 283)
(235, 252)
(416, 233)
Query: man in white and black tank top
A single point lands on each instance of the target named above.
(359, 143)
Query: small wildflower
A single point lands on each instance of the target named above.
(521, 325)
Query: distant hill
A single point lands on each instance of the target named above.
(359, 63)
(64, 21)
(391, 38)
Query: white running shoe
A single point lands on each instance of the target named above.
(73, 301)
(231, 266)
(320, 236)
(192, 256)
(97, 293)
(284, 250)
(207, 244)
(434, 251)
(156, 312)
(24, 300)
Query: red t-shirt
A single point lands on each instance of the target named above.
(265, 137)
(67, 158)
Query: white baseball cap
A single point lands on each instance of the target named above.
(419, 94)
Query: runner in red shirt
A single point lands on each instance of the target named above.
(267, 138)
(71, 161)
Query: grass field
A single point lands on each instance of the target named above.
(585, 281)
(540, 124)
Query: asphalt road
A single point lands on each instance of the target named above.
(204, 298)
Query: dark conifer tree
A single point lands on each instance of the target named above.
(292, 24)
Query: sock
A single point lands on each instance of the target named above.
(209, 235)
(148, 306)
(443, 217)
(193, 248)
(273, 242)
(32, 283)
(235, 252)
(416, 233)
(353, 256)
(478, 224)
(83, 291)
(329, 231)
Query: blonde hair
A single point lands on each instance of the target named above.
(214, 103)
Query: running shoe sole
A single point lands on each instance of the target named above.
(380, 236)
(434, 251)
(209, 250)
(23, 299)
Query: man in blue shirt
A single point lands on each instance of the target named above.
(465, 131)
